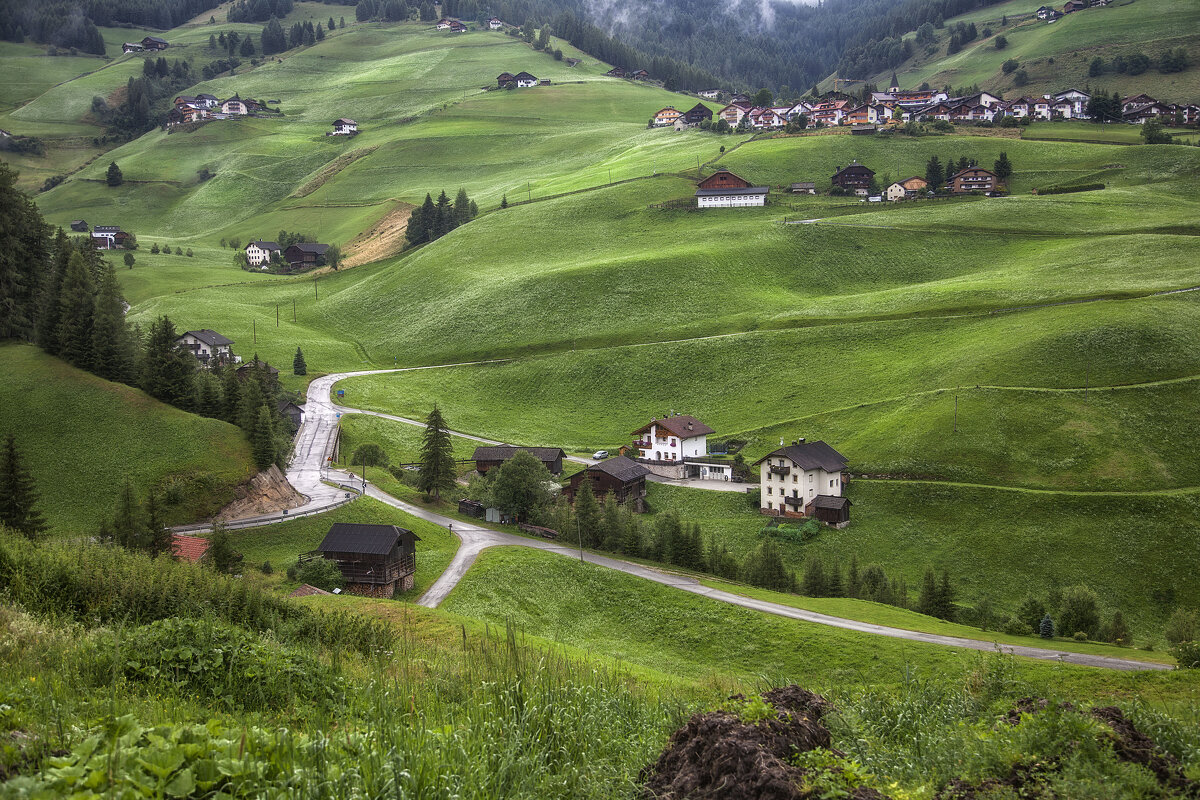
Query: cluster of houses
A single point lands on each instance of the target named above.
(150, 43)
(522, 80)
(1050, 14)
(189, 108)
(672, 117)
(895, 106)
(104, 237)
(451, 24)
(298, 257)
(632, 74)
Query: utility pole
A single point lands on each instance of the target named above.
(579, 532)
(254, 330)
(293, 309)
(956, 410)
(315, 289)
(277, 315)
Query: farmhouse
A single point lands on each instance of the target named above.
(132, 47)
(488, 457)
(1074, 5)
(723, 189)
(375, 560)
(697, 114)
(639, 75)
(1045, 12)
(804, 479)
(666, 116)
(452, 25)
(495, 23)
(207, 100)
(616, 72)
(344, 127)
(672, 438)
(154, 43)
(235, 106)
(905, 189)
(505, 80)
(853, 177)
(525, 80)
(622, 477)
(972, 179)
(208, 347)
(108, 237)
(259, 253)
(79, 225)
(733, 113)
(709, 94)
(804, 187)
(305, 254)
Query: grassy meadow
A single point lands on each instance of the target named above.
(83, 438)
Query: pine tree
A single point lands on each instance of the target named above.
(208, 395)
(114, 177)
(158, 535)
(588, 520)
(853, 581)
(299, 367)
(631, 540)
(112, 347)
(933, 173)
(945, 598)
(262, 439)
(1046, 627)
(76, 314)
(127, 525)
(614, 528)
(437, 457)
(462, 208)
(18, 493)
(833, 581)
(166, 368)
(252, 399)
(814, 583)
(1002, 167)
(46, 330)
(927, 603)
(504, 201)
(231, 396)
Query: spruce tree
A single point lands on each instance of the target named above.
(157, 537)
(46, 329)
(927, 603)
(127, 522)
(114, 177)
(945, 598)
(833, 581)
(166, 368)
(112, 347)
(462, 208)
(588, 520)
(814, 583)
(504, 201)
(299, 367)
(614, 528)
(1002, 167)
(933, 173)
(231, 395)
(18, 493)
(631, 540)
(1046, 627)
(76, 313)
(220, 554)
(853, 581)
(262, 439)
(252, 399)
(437, 457)
(208, 395)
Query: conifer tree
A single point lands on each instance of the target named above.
(927, 603)
(833, 581)
(127, 525)
(437, 457)
(262, 439)
(166, 369)
(631, 539)
(853, 581)
(462, 208)
(764, 567)
(587, 514)
(504, 201)
(46, 328)
(945, 598)
(208, 395)
(1046, 627)
(614, 528)
(299, 367)
(220, 554)
(231, 396)
(814, 583)
(252, 399)
(114, 177)
(1002, 167)
(76, 313)
(157, 536)
(112, 347)
(18, 493)
(933, 173)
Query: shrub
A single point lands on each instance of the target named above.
(1046, 627)
(1015, 627)
(1021, 78)
(267, 569)
(1079, 611)
(321, 573)
(1187, 654)
(1183, 626)
(1080, 636)
(1009, 66)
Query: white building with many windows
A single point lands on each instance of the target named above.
(804, 479)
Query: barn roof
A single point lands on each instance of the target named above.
(622, 468)
(829, 501)
(209, 337)
(525, 76)
(810, 455)
(505, 452)
(310, 247)
(375, 540)
(732, 190)
(344, 121)
(265, 245)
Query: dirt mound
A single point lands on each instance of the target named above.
(266, 492)
(717, 756)
(1032, 705)
(1133, 746)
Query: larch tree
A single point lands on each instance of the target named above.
(18, 493)
(437, 457)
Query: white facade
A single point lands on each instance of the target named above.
(709, 94)
(495, 24)
(259, 253)
(781, 481)
(732, 200)
(345, 127)
(662, 445)
(233, 106)
(205, 352)
(525, 83)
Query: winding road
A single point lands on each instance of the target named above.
(310, 474)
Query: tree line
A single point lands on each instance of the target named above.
(432, 220)
(69, 24)
(147, 99)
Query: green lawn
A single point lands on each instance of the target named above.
(83, 438)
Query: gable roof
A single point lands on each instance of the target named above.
(310, 247)
(970, 169)
(700, 108)
(106, 229)
(905, 183)
(810, 455)
(506, 76)
(250, 365)
(504, 452)
(622, 468)
(732, 190)
(373, 540)
(525, 76)
(155, 39)
(188, 548)
(209, 337)
(682, 425)
(344, 121)
(851, 165)
(264, 245)
(831, 501)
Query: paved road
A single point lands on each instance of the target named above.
(308, 475)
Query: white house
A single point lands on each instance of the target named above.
(344, 127)
(710, 94)
(795, 476)
(525, 80)
(259, 253)
(674, 438)
(108, 237)
(731, 197)
(1078, 100)
(208, 346)
(234, 105)
(495, 23)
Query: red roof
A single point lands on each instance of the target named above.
(188, 548)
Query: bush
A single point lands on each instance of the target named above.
(321, 573)
(1183, 626)
(1021, 78)
(1015, 627)
(1080, 636)
(1187, 654)
(267, 569)
(1079, 611)
(1009, 66)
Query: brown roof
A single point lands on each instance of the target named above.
(810, 455)
(354, 537)
(505, 452)
(681, 425)
(308, 590)
(622, 468)
(829, 501)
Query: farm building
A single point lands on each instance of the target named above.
(804, 187)
(905, 189)
(710, 94)
(697, 114)
(667, 116)
(853, 176)
(188, 548)
(452, 25)
(305, 254)
(259, 253)
(248, 369)
(796, 477)
(723, 189)
(506, 80)
(108, 237)
(344, 127)
(972, 179)
(525, 80)
(375, 560)
(487, 458)
(622, 477)
(154, 43)
(292, 412)
(79, 226)
(209, 347)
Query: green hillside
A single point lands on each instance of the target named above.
(1057, 56)
(83, 437)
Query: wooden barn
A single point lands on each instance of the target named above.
(831, 510)
(375, 560)
(623, 477)
(490, 457)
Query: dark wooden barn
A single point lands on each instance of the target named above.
(621, 476)
(831, 510)
(489, 457)
(853, 176)
(375, 560)
(723, 179)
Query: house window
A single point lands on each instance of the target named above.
(811, 477)
(795, 479)
(831, 484)
(769, 505)
(769, 490)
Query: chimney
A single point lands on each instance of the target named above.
(800, 440)
(689, 426)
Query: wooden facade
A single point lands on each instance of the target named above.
(375, 560)
(487, 458)
(622, 477)
(723, 179)
(853, 176)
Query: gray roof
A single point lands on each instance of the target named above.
(525, 76)
(681, 425)
(804, 185)
(829, 501)
(266, 245)
(376, 540)
(731, 190)
(209, 337)
(810, 455)
(622, 468)
(504, 452)
(310, 247)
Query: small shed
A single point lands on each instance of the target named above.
(623, 477)
(79, 225)
(804, 187)
(375, 560)
(293, 413)
(829, 509)
(471, 508)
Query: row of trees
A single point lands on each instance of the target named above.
(258, 10)
(146, 100)
(65, 23)
(431, 220)
(936, 175)
(1169, 61)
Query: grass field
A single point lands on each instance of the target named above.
(82, 438)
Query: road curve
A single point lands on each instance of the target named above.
(310, 475)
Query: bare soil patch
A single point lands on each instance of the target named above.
(385, 238)
(331, 169)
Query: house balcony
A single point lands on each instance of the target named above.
(780, 470)
(644, 445)
(797, 502)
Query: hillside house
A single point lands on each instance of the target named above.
(247, 370)
(154, 43)
(853, 177)
(733, 113)
(108, 237)
(622, 477)
(1078, 100)
(639, 75)
(1045, 12)
(293, 413)
(710, 94)
(495, 23)
(132, 47)
(795, 477)
(803, 187)
(1140, 113)
(829, 113)
(305, 254)
(666, 117)
(674, 438)
(79, 225)
(506, 80)
(525, 80)
(1074, 5)
(259, 253)
(452, 25)
(972, 179)
(1136, 100)
(766, 118)
(697, 114)
(487, 458)
(738, 97)
(723, 189)
(344, 127)
(862, 115)
(235, 106)
(375, 560)
(208, 347)
(616, 72)
(207, 100)
(906, 189)
(798, 109)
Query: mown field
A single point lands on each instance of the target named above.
(83, 438)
